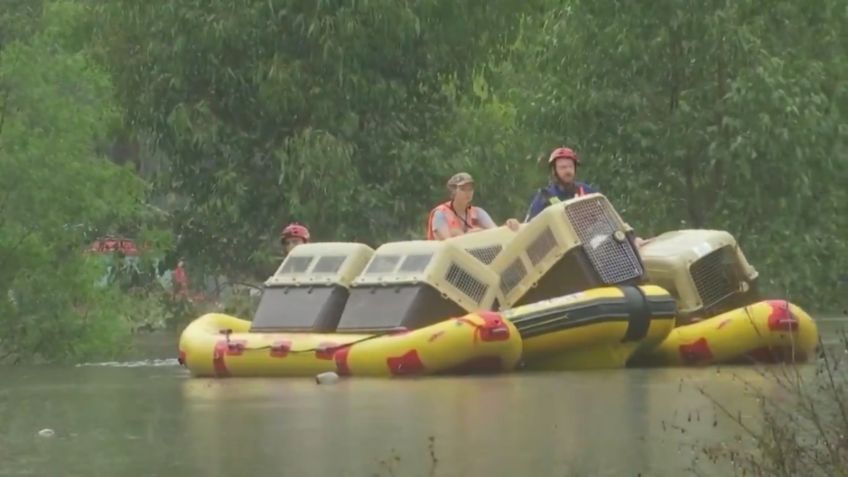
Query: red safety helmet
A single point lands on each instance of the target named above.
(295, 230)
(563, 153)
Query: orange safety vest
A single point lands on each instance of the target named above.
(454, 221)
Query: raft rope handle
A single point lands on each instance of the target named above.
(478, 328)
(751, 320)
(335, 348)
(788, 309)
(227, 332)
(791, 318)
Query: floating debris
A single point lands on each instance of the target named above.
(327, 378)
(145, 363)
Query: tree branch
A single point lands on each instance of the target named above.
(5, 356)
(714, 192)
(692, 203)
(3, 107)
(18, 244)
(3, 203)
(694, 211)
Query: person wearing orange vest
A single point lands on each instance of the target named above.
(563, 163)
(457, 216)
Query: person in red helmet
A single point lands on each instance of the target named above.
(562, 163)
(293, 235)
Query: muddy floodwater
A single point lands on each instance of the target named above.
(147, 417)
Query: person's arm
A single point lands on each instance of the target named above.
(484, 220)
(536, 206)
(640, 242)
(440, 226)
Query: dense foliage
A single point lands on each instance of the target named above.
(349, 116)
(55, 190)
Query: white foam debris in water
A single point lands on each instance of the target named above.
(145, 363)
(327, 378)
(47, 432)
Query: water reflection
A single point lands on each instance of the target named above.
(154, 420)
(601, 423)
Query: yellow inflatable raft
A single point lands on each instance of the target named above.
(765, 332)
(582, 297)
(221, 345)
(597, 328)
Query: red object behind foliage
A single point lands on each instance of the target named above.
(180, 278)
(114, 244)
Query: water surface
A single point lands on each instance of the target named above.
(149, 418)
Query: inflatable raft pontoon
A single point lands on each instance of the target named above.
(220, 345)
(766, 332)
(568, 290)
(598, 328)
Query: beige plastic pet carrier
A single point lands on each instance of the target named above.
(485, 245)
(570, 246)
(417, 283)
(704, 270)
(310, 288)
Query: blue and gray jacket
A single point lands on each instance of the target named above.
(553, 193)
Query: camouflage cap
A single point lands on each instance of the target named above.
(459, 179)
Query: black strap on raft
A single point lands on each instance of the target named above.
(333, 348)
(640, 314)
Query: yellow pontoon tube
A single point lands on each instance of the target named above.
(597, 328)
(221, 345)
(339, 306)
(767, 331)
(720, 315)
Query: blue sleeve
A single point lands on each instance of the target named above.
(485, 219)
(536, 205)
(589, 189)
(439, 220)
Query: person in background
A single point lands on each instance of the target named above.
(180, 280)
(457, 216)
(563, 162)
(563, 185)
(293, 235)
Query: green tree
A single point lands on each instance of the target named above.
(325, 112)
(18, 20)
(349, 116)
(717, 115)
(54, 188)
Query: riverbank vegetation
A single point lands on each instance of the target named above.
(798, 426)
(199, 129)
